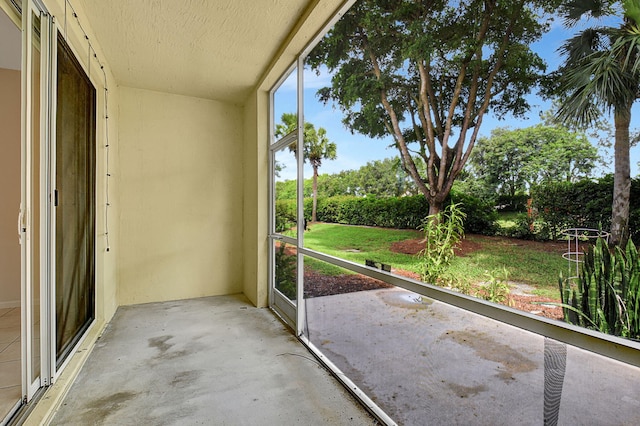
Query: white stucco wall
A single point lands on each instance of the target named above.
(180, 181)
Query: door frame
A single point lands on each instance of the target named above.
(46, 220)
(32, 163)
(53, 367)
(289, 311)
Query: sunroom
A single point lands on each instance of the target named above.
(142, 155)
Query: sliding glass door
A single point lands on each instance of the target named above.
(34, 218)
(74, 202)
(57, 211)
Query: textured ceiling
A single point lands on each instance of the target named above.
(214, 49)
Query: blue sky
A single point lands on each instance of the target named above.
(356, 150)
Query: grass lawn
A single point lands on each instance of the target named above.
(358, 243)
(508, 220)
(525, 263)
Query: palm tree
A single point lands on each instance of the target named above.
(316, 147)
(601, 73)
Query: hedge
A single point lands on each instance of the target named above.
(286, 214)
(391, 212)
(583, 204)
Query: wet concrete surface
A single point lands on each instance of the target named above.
(427, 363)
(209, 361)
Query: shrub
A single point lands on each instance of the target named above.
(508, 203)
(392, 212)
(583, 204)
(525, 229)
(480, 216)
(607, 294)
(442, 232)
(285, 271)
(286, 215)
(496, 289)
(400, 212)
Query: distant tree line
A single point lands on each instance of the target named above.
(379, 178)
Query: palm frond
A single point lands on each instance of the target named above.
(585, 88)
(627, 47)
(575, 10)
(585, 43)
(578, 109)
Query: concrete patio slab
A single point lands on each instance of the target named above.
(428, 363)
(215, 360)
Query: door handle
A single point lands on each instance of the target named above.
(22, 228)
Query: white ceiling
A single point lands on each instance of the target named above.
(10, 43)
(214, 49)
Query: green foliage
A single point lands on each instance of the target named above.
(382, 178)
(510, 161)
(359, 243)
(317, 147)
(601, 73)
(419, 70)
(530, 265)
(496, 289)
(456, 283)
(584, 204)
(285, 279)
(442, 232)
(526, 228)
(509, 203)
(288, 189)
(471, 185)
(607, 295)
(379, 178)
(286, 215)
(393, 212)
(397, 212)
(480, 216)
(324, 268)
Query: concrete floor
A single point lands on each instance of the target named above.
(427, 363)
(215, 360)
(220, 361)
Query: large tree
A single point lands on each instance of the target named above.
(510, 161)
(383, 178)
(427, 72)
(316, 147)
(601, 73)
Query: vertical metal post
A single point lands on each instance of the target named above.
(300, 312)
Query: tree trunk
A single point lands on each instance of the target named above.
(435, 207)
(621, 179)
(315, 193)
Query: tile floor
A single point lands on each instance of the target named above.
(10, 390)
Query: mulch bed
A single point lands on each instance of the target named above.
(532, 304)
(476, 242)
(317, 285)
